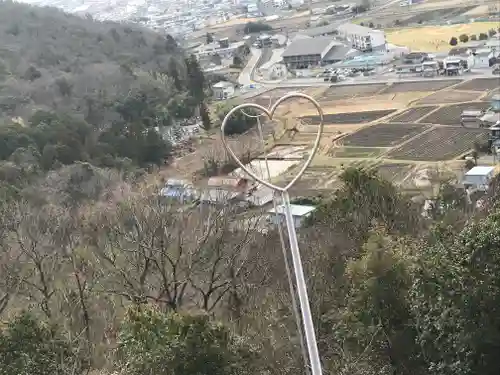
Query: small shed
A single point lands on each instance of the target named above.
(299, 212)
(223, 90)
(479, 177)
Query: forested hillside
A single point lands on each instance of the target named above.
(114, 279)
(72, 89)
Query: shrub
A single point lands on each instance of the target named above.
(238, 123)
(473, 37)
(153, 343)
(28, 347)
(483, 36)
(492, 32)
(256, 27)
(453, 41)
(464, 38)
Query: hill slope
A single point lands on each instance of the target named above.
(73, 89)
(55, 61)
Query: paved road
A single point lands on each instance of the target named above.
(245, 77)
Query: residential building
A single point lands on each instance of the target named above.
(482, 58)
(224, 190)
(223, 90)
(305, 53)
(479, 178)
(264, 41)
(299, 213)
(207, 50)
(363, 38)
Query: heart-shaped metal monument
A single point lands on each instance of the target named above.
(270, 113)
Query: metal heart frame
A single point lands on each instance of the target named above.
(270, 113)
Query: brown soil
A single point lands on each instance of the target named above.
(384, 135)
(441, 143)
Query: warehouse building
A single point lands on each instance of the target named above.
(310, 52)
(363, 38)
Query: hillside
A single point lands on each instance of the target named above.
(52, 60)
(73, 89)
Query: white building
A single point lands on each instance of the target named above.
(479, 177)
(223, 90)
(363, 38)
(482, 58)
(299, 213)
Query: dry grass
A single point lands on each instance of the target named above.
(234, 22)
(435, 38)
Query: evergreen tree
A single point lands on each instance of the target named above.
(205, 117)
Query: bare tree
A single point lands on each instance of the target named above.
(149, 250)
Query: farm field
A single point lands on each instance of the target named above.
(435, 38)
(356, 152)
(383, 135)
(419, 86)
(437, 14)
(480, 84)
(412, 114)
(440, 143)
(450, 115)
(299, 139)
(349, 91)
(449, 96)
(348, 117)
(273, 94)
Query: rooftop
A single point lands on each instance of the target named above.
(227, 181)
(314, 46)
(337, 52)
(297, 210)
(457, 51)
(223, 85)
(483, 51)
(351, 28)
(321, 30)
(480, 171)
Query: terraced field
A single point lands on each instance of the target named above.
(480, 84)
(440, 143)
(356, 152)
(413, 114)
(449, 96)
(419, 86)
(348, 118)
(450, 115)
(384, 135)
(348, 91)
(274, 94)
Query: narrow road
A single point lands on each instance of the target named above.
(245, 77)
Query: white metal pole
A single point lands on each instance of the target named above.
(305, 309)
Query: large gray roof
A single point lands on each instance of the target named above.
(314, 46)
(351, 28)
(321, 30)
(337, 53)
